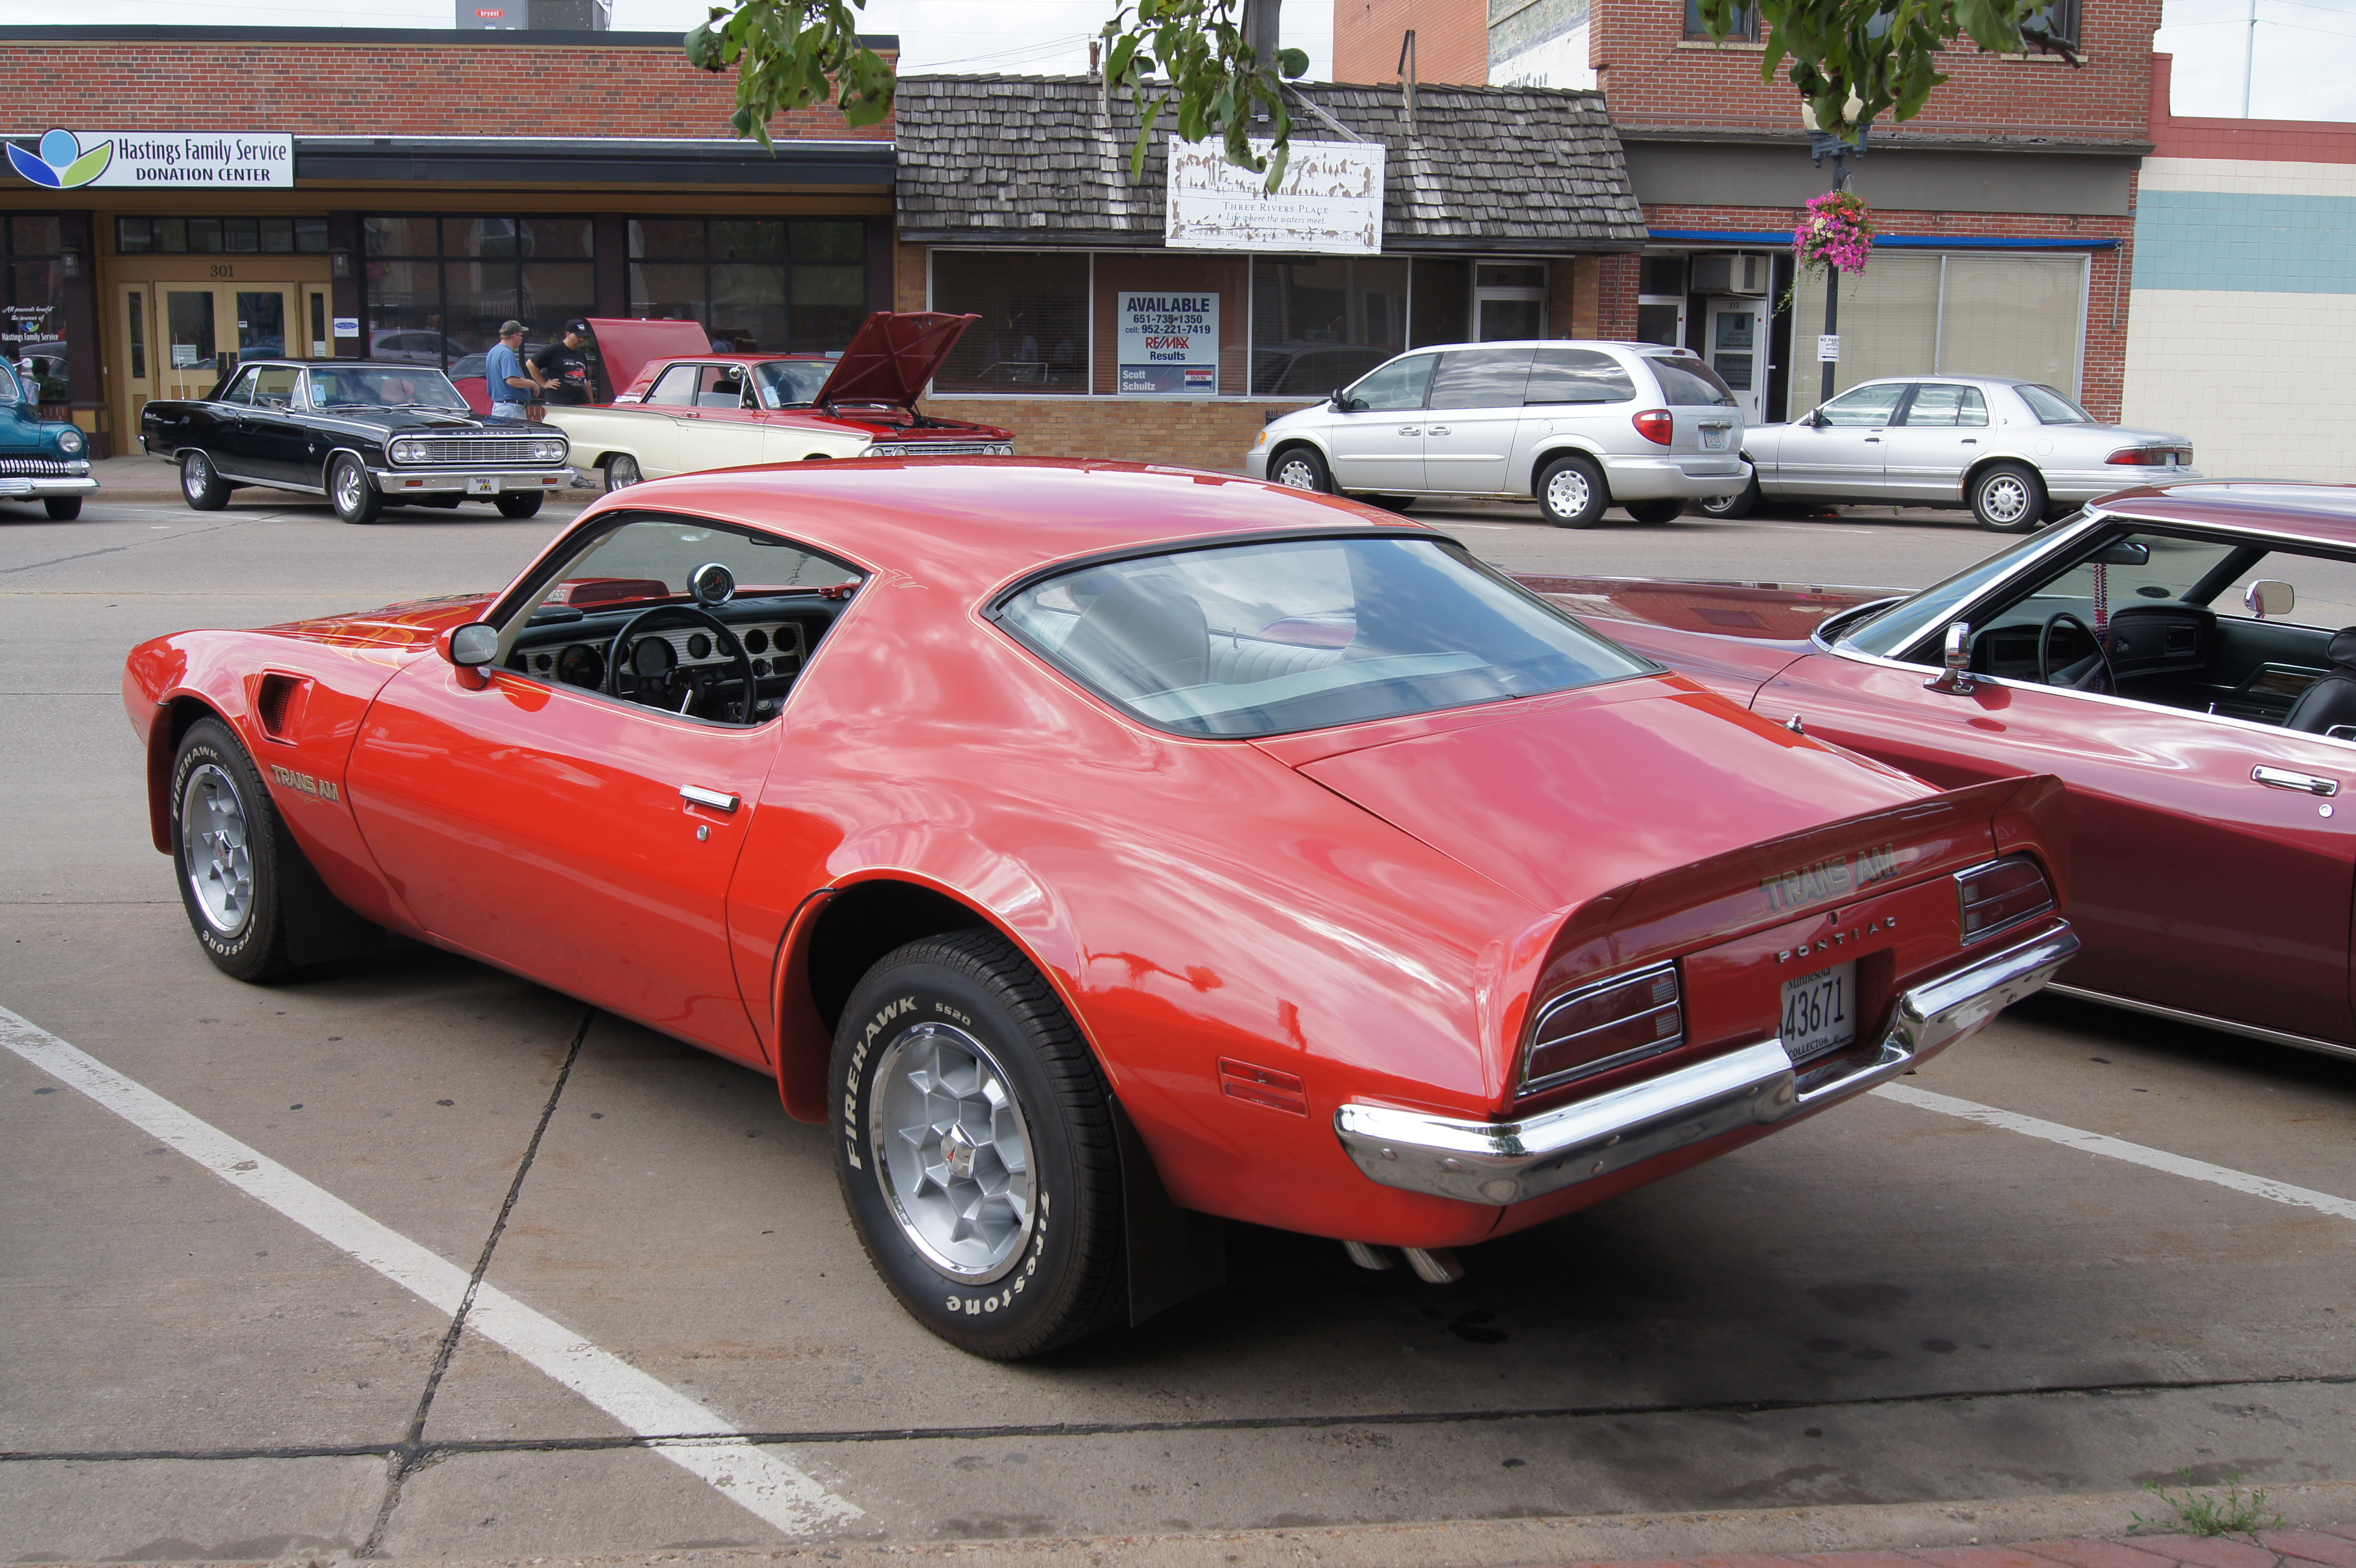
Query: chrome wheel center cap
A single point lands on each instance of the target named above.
(957, 1152)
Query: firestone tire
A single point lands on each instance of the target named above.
(518, 506)
(1300, 468)
(352, 491)
(2008, 498)
(1572, 491)
(226, 854)
(62, 508)
(200, 484)
(974, 1143)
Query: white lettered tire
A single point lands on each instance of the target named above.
(974, 1141)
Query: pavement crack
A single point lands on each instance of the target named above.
(112, 549)
(414, 1454)
(411, 1454)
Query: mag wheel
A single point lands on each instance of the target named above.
(225, 848)
(350, 488)
(621, 472)
(202, 483)
(974, 1143)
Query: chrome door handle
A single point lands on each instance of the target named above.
(1437, 430)
(1410, 430)
(1873, 440)
(714, 798)
(2284, 778)
(1971, 440)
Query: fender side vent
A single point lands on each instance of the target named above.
(274, 703)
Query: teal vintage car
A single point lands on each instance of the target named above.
(40, 459)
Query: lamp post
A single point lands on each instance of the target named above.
(1820, 142)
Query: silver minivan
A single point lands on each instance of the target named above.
(1579, 426)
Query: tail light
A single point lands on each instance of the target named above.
(1656, 425)
(2000, 894)
(1605, 1025)
(2150, 456)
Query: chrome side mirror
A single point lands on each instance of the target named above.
(472, 646)
(2267, 599)
(1955, 660)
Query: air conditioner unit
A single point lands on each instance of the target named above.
(1731, 272)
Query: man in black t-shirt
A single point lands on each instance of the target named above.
(565, 365)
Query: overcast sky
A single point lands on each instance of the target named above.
(2303, 64)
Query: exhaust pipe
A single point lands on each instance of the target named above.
(1436, 1266)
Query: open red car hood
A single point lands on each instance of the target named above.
(892, 356)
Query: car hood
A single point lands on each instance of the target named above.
(410, 624)
(423, 421)
(891, 358)
(1560, 798)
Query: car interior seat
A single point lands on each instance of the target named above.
(2330, 701)
(1139, 638)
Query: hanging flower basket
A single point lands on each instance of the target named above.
(1836, 233)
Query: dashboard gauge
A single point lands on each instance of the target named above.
(699, 646)
(581, 665)
(757, 641)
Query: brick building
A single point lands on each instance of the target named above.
(440, 183)
(2245, 287)
(1500, 209)
(2005, 209)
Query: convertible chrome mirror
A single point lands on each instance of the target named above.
(2125, 553)
(1956, 657)
(713, 584)
(472, 646)
(2268, 598)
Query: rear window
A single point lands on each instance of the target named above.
(1689, 383)
(2051, 407)
(1577, 375)
(1258, 640)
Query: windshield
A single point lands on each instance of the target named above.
(791, 383)
(9, 391)
(1260, 640)
(1690, 383)
(388, 386)
(2051, 407)
(1901, 624)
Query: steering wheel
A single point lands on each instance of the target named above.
(686, 615)
(2045, 644)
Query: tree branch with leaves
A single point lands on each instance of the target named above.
(1853, 60)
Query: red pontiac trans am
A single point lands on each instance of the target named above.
(1101, 850)
(685, 407)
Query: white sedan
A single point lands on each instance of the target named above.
(2016, 452)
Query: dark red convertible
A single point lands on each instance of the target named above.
(2183, 657)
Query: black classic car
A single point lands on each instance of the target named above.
(365, 433)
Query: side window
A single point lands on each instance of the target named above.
(1577, 375)
(1744, 30)
(679, 386)
(273, 385)
(241, 389)
(722, 386)
(1398, 385)
(1864, 406)
(1481, 378)
(1942, 403)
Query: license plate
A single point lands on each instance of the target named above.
(482, 484)
(1713, 440)
(1820, 1011)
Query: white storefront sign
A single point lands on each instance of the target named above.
(70, 160)
(1330, 200)
(1169, 343)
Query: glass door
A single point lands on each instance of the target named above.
(189, 324)
(314, 332)
(1509, 301)
(208, 330)
(1737, 351)
(136, 320)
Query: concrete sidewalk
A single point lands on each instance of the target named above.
(2328, 1546)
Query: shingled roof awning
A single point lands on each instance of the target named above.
(1031, 160)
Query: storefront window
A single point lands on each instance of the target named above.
(1444, 303)
(1173, 325)
(1962, 314)
(224, 236)
(1319, 325)
(1032, 337)
(798, 286)
(34, 326)
(438, 288)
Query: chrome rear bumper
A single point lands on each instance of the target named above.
(1511, 1161)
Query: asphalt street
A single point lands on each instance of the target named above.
(410, 1258)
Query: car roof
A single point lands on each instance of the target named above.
(1673, 349)
(1949, 376)
(969, 525)
(2299, 513)
(407, 367)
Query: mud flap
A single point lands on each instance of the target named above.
(1174, 1254)
(319, 926)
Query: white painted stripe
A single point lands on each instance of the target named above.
(2120, 1149)
(760, 1480)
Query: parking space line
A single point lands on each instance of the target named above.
(2120, 1149)
(762, 1482)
